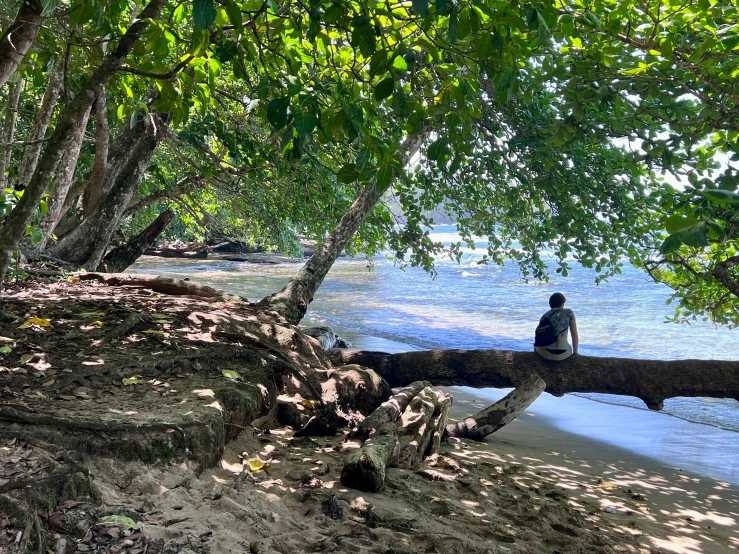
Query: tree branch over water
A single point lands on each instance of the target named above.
(651, 380)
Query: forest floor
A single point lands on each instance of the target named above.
(131, 422)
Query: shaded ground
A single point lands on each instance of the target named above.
(132, 421)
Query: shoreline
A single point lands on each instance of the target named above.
(659, 437)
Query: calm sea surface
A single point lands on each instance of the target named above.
(477, 306)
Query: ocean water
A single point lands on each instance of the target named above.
(469, 305)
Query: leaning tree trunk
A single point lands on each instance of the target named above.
(651, 380)
(500, 414)
(85, 245)
(292, 301)
(62, 183)
(18, 38)
(69, 121)
(118, 259)
(40, 125)
(94, 189)
(8, 130)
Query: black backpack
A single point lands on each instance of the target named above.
(545, 333)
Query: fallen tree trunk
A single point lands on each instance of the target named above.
(365, 468)
(500, 414)
(389, 411)
(120, 258)
(651, 380)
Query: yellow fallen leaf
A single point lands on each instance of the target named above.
(256, 465)
(40, 321)
(130, 380)
(231, 374)
(98, 323)
(74, 279)
(310, 404)
(153, 332)
(26, 358)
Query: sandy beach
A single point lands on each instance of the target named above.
(530, 488)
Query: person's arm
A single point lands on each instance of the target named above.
(575, 338)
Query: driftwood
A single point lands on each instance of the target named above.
(651, 380)
(500, 414)
(389, 411)
(198, 252)
(415, 428)
(365, 468)
(164, 285)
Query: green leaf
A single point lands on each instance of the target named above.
(277, 112)
(203, 14)
(695, 235)
(677, 222)
(444, 7)
(347, 174)
(44, 207)
(36, 236)
(671, 244)
(235, 16)
(363, 36)
(421, 7)
(231, 374)
(484, 47)
(384, 177)
(304, 122)
(5, 349)
(179, 14)
(453, 25)
(721, 196)
(384, 89)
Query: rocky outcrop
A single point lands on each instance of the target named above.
(327, 337)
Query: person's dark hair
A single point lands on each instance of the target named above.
(557, 300)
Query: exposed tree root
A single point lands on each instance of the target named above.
(164, 285)
(389, 411)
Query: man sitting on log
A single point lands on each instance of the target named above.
(550, 339)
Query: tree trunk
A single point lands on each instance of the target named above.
(651, 380)
(389, 411)
(40, 125)
(85, 245)
(8, 130)
(164, 285)
(183, 186)
(292, 301)
(366, 467)
(93, 192)
(18, 38)
(118, 259)
(500, 414)
(62, 183)
(69, 121)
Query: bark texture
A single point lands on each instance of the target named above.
(389, 411)
(62, 183)
(416, 428)
(8, 130)
(500, 414)
(16, 41)
(120, 258)
(292, 301)
(94, 189)
(651, 380)
(68, 122)
(40, 125)
(85, 245)
(365, 469)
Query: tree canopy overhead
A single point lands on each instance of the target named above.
(540, 124)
